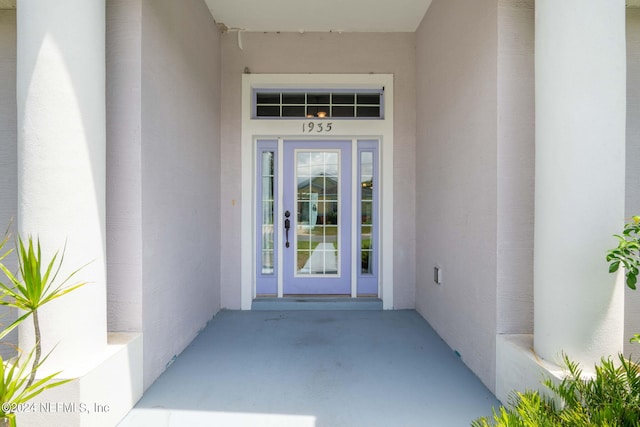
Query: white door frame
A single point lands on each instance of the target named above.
(253, 129)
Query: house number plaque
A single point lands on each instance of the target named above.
(317, 127)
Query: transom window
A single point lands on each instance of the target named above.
(318, 104)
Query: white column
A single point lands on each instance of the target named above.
(580, 177)
(61, 164)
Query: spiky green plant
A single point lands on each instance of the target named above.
(4, 242)
(527, 409)
(610, 398)
(33, 288)
(15, 389)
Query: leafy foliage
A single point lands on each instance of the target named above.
(611, 398)
(627, 253)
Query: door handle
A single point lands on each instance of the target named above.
(287, 226)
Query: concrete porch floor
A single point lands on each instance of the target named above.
(315, 369)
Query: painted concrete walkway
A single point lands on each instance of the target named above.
(315, 369)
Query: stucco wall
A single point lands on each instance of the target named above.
(516, 164)
(180, 176)
(124, 166)
(164, 173)
(321, 53)
(632, 298)
(456, 179)
(8, 140)
(8, 120)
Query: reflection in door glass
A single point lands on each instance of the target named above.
(366, 212)
(317, 202)
(267, 212)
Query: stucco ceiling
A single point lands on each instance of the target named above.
(308, 15)
(324, 15)
(320, 15)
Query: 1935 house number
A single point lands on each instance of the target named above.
(317, 127)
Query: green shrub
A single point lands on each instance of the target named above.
(627, 255)
(610, 398)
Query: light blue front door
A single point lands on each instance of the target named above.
(317, 193)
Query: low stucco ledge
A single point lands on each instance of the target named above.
(519, 368)
(100, 395)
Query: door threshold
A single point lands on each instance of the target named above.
(305, 302)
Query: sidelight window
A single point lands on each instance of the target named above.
(267, 185)
(367, 217)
